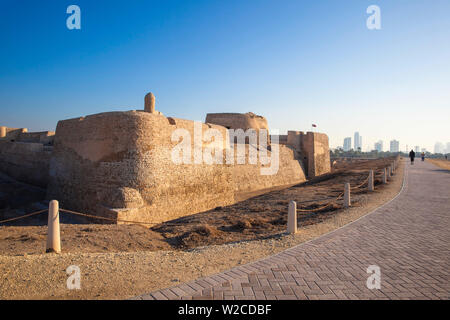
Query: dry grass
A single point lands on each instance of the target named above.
(444, 164)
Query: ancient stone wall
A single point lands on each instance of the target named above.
(9, 134)
(242, 121)
(44, 137)
(312, 150)
(248, 177)
(120, 165)
(26, 162)
(22, 135)
(282, 138)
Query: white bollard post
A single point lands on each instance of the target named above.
(2, 131)
(292, 217)
(371, 182)
(347, 200)
(384, 176)
(53, 234)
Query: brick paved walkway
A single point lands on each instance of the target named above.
(408, 238)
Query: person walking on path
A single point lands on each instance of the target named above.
(423, 156)
(412, 155)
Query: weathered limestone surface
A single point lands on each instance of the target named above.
(313, 150)
(122, 161)
(7, 133)
(119, 164)
(248, 177)
(242, 121)
(26, 162)
(315, 146)
(44, 137)
(22, 135)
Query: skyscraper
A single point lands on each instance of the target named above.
(416, 149)
(379, 146)
(439, 147)
(357, 141)
(394, 146)
(347, 144)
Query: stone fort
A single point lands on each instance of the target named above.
(118, 164)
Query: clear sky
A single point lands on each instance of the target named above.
(294, 62)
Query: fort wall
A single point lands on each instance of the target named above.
(248, 177)
(313, 150)
(242, 121)
(26, 162)
(120, 164)
(22, 135)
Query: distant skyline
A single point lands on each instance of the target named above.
(294, 62)
(378, 146)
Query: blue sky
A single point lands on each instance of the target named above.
(294, 62)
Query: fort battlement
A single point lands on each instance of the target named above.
(120, 164)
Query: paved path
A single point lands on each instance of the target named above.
(408, 238)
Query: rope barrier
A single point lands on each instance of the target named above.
(115, 220)
(359, 186)
(331, 202)
(24, 216)
(316, 209)
(323, 207)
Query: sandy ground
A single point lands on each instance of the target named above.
(179, 251)
(444, 164)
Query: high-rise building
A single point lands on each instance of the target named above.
(360, 142)
(356, 142)
(394, 146)
(416, 149)
(347, 144)
(439, 147)
(379, 146)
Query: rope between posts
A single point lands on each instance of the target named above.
(359, 186)
(111, 219)
(323, 207)
(331, 202)
(24, 216)
(338, 197)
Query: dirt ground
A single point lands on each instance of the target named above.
(119, 262)
(259, 217)
(444, 164)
